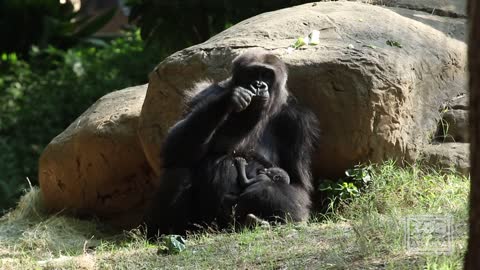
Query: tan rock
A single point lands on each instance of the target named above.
(374, 101)
(447, 16)
(96, 166)
(455, 126)
(452, 8)
(452, 27)
(455, 156)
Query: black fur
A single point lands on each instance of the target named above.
(264, 173)
(267, 184)
(227, 120)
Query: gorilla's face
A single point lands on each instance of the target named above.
(259, 71)
(257, 78)
(265, 75)
(274, 174)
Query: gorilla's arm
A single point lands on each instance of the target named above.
(188, 140)
(240, 164)
(298, 132)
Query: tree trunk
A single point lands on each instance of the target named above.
(472, 258)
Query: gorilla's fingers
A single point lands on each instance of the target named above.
(247, 95)
(238, 103)
(243, 103)
(240, 160)
(241, 98)
(253, 88)
(263, 94)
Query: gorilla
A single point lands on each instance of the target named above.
(257, 191)
(267, 174)
(249, 115)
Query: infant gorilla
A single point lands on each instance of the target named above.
(257, 193)
(274, 174)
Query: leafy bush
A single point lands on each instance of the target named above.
(24, 23)
(343, 190)
(40, 98)
(179, 23)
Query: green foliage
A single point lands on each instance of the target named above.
(178, 23)
(345, 189)
(24, 23)
(40, 98)
(413, 189)
(171, 244)
(394, 43)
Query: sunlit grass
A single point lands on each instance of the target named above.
(368, 232)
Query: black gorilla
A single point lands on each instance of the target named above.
(249, 115)
(260, 189)
(269, 174)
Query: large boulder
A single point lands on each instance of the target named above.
(448, 16)
(449, 148)
(374, 101)
(454, 125)
(449, 156)
(452, 27)
(450, 8)
(96, 166)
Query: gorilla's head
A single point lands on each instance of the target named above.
(274, 174)
(262, 72)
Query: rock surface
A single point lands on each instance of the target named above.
(448, 16)
(451, 8)
(455, 125)
(454, 156)
(97, 166)
(450, 147)
(452, 27)
(374, 101)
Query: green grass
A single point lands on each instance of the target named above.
(367, 233)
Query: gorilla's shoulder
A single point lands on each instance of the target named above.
(295, 120)
(202, 92)
(293, 111)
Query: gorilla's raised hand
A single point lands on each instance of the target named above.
(241, 98)
(260, 89)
